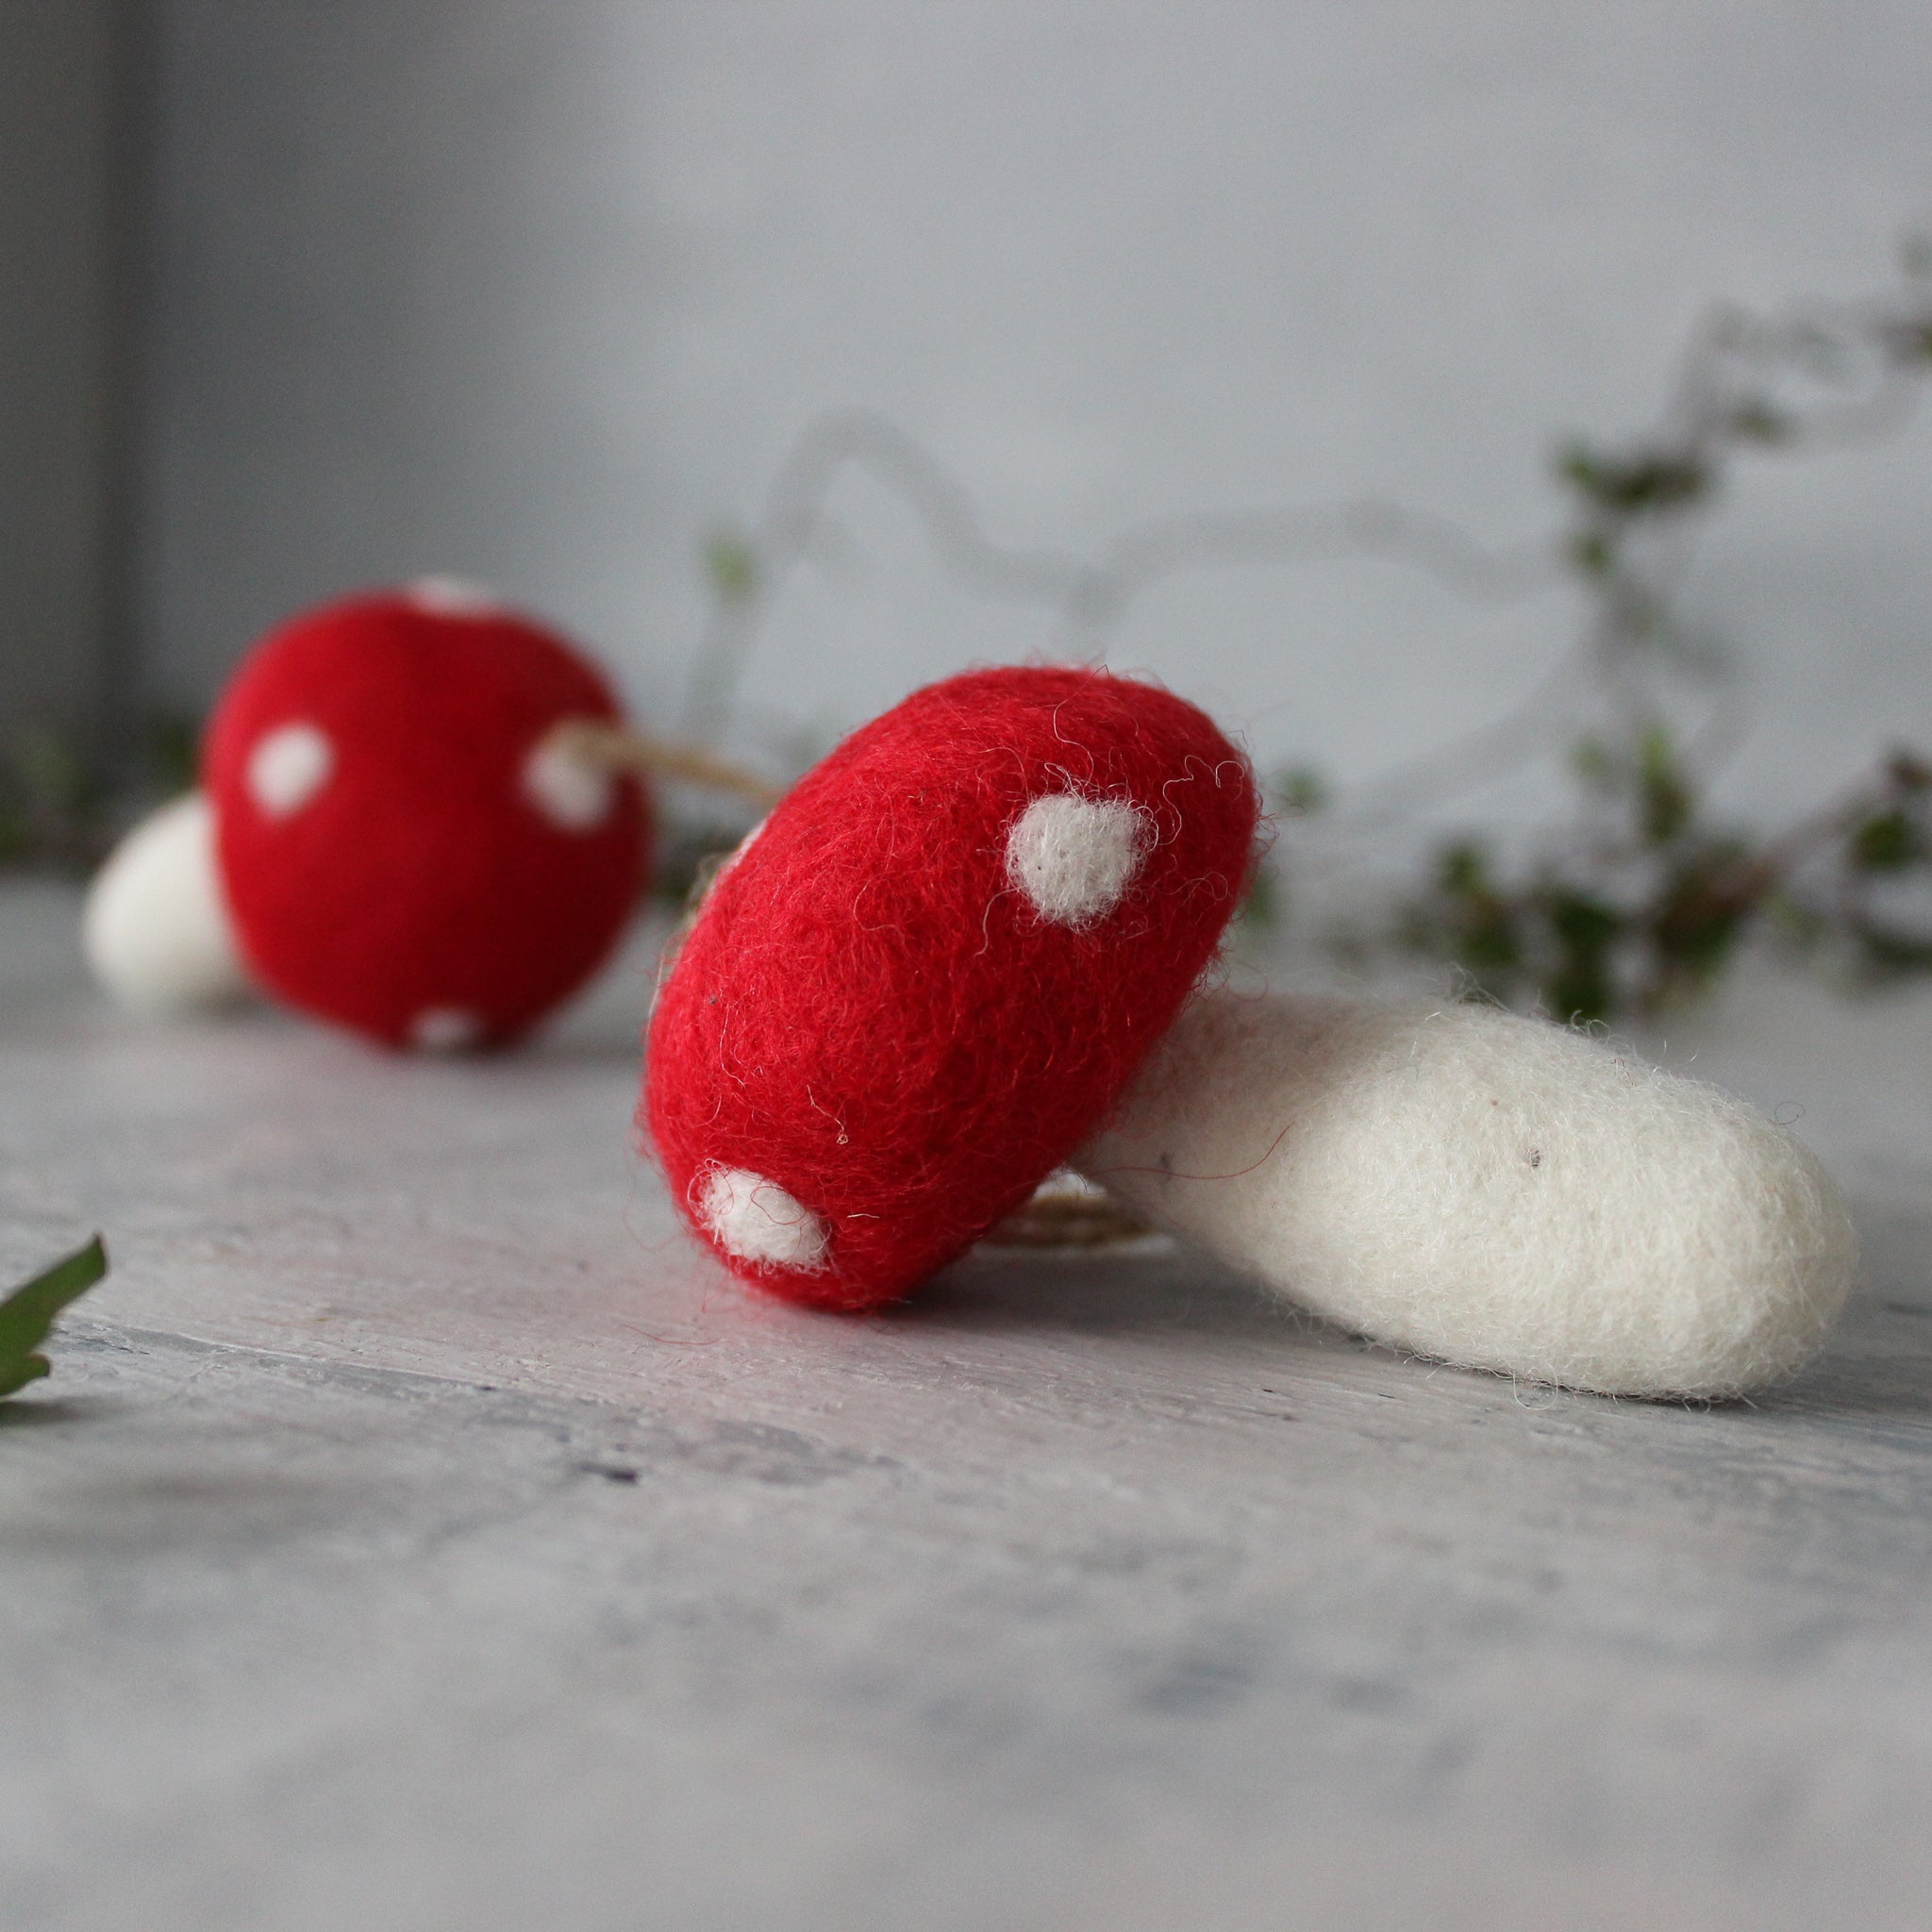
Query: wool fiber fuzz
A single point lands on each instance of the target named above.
(154, 929)
(1491, 1190)
(933, 969)
(404, 848)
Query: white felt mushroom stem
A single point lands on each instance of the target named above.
(1485, 1189)
(154, 927)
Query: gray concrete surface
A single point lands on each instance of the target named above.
(414, 1535)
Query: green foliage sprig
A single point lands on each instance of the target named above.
(1646, 916)
(1643, 903)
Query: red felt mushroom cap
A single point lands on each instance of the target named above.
(929, 976)
(403, 846)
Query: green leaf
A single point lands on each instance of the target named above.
(174, 752)
(1646, 482)
(1300, 789)
(1886, 841)
(1666, 799)
(1488, 944)
(1888, 951)
(1756, 419)
(1593, 762)
(1584, 925)
(1577, 464)
(1911, 342)
(1593, 553)
(1261, 909)
(1579, 995)
(732, 565)
(51, 772)
(1463, 870)
(1907, 770)
(26, 1316)
(1485, 940)
(1580, 984)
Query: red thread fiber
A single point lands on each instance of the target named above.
(869, 1014)
(419, 879)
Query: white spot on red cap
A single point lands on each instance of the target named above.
(445, 1029)
(287, 767)
(565, 787)
(755, 1220)
(453, 597)
(1074, 857)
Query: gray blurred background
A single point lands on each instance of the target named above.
(302, 294)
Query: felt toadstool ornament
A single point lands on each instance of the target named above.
(974, 944)
(927, 976)
(408, 843)
(423, 819)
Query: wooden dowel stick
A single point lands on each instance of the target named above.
(616, 748)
